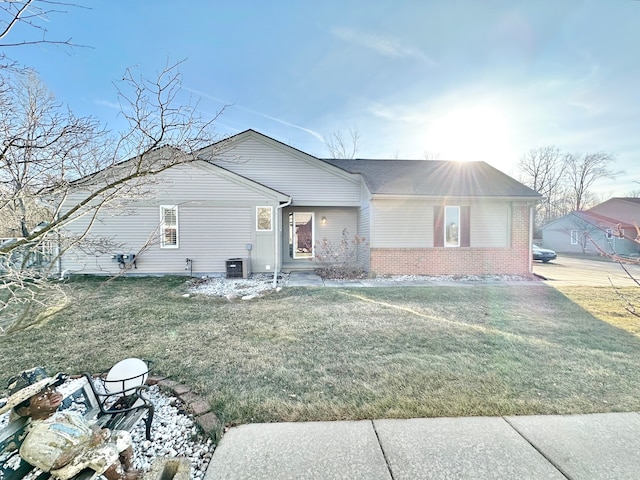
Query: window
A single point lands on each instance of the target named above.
(574, 237)
(451, 226)
(263, 219)
(169, 226)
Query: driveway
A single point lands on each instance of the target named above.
(599, 272)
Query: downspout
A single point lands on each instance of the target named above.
(531, 215)
(278, 245)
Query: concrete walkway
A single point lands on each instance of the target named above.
(596, 446)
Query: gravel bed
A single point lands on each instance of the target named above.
(259, 284)
(232, 288)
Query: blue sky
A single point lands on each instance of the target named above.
(463, 79)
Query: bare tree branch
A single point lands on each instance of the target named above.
(541, 169)
(341, 147)
(431, 155)
(56, 168)
(33, 15)
(583, 170)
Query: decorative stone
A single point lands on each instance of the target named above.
(167, 384)
(180, 389)
(164, 468)
(188, 397)
(154, 379)
(198, 407)
(208, 422)
(174, 434)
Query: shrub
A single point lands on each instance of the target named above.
(339, 259)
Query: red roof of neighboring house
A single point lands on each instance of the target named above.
(595, 218)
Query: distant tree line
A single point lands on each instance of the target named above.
(565, 180)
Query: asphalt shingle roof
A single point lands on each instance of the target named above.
(434, 178)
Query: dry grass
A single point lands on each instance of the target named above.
(329, 353)
(611, 305)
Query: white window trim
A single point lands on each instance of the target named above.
(258, 229)
(163, 226)
(574, 237)
(445, 226)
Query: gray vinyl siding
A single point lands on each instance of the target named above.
(409, 224)
(209, 236)
(338, 220)
(557, 236)
(490, 225)
(402, 224)
(203, 184)
(307, 180)
(216, 221)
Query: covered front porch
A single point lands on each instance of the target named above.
(308, 232)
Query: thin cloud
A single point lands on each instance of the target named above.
(206, 95)
(399, 113)
(108, 104)
(254, 112)
(386, 46)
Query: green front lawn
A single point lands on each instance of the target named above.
(333, 354)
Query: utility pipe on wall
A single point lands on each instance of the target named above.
(278, 246)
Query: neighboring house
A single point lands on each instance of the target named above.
(255, 198)
(607, 228)
(34, 256)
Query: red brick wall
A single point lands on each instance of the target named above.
(460, 261)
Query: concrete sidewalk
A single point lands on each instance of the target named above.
(595, 446)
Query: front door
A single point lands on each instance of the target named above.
(302, 234)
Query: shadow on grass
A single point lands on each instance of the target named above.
(333, 354)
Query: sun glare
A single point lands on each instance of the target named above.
(470, 133)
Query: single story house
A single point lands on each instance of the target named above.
(608, 228)
(274, 207)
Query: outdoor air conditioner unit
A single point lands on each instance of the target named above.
(238, 268)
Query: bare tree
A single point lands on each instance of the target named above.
(583, 170)
(55, 169)
(42, 142)
(431, 155)
(24, 22)
(541, 169)
(565, 180)
(635, 193)
(341, 147)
